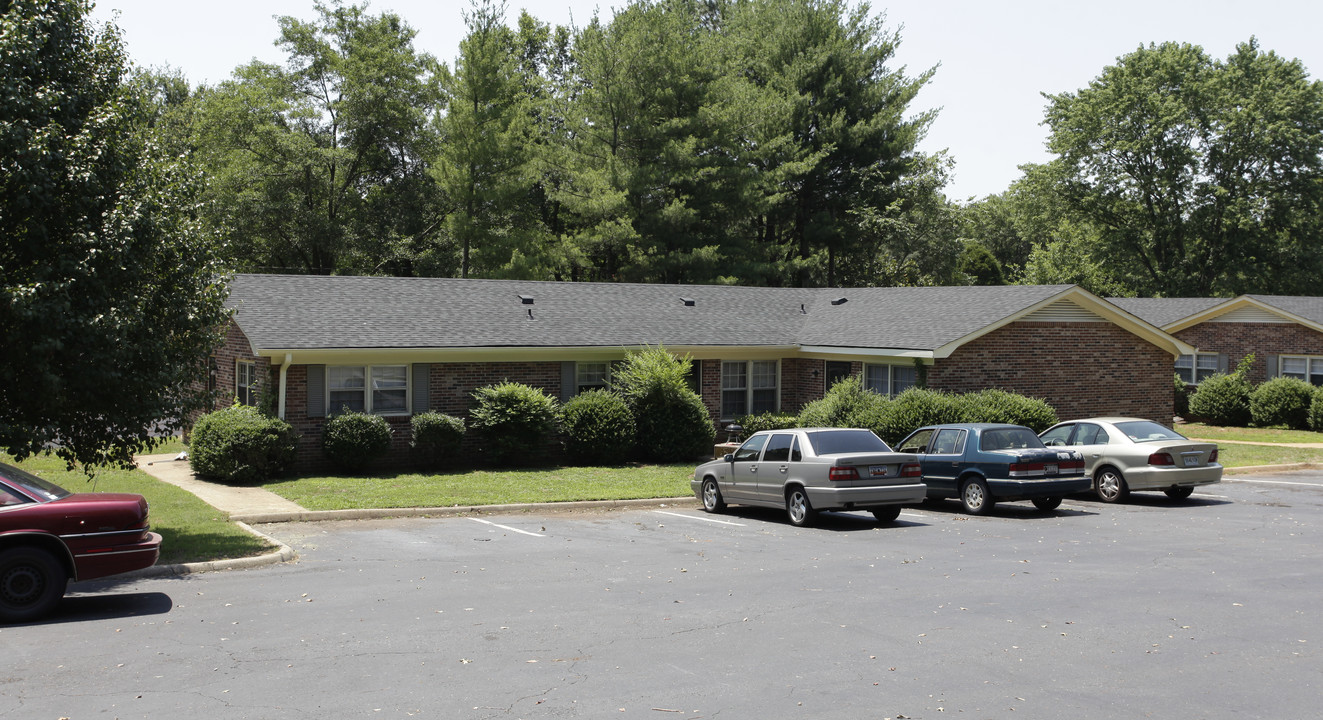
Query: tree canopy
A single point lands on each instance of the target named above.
(111, 293)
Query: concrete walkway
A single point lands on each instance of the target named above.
(239, 502)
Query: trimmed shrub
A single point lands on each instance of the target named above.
(847, 404)
(1316, 411)
(998, 406)
(599, 428)
(514, 422)
(915, 408)
(353, 440)
(1224, 399)
(672, 422)
(436, 436)
(1182, 391)
(1281, 401)
(765, 421)
(240, 446)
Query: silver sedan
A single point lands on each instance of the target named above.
(811, 469)
(1128, 454)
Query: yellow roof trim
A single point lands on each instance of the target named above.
(1237, 303)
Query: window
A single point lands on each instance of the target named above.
(1194, 369)
(749, 388)
(751, 448)
(347, 389)
(949, 441)
(778, 449)
(890, 379)
(1309, 369)
(245, 382)
(592, 375)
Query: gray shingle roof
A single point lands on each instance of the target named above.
(319, 312)
(1165, 311)
(1309, 308)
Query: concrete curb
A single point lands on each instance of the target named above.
(1256, 469)
(282, 553)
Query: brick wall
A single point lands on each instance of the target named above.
(1081, 369)
(1237, 340)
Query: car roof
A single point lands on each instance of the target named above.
(972, 426)
(1108, 419)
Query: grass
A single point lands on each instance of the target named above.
(1264, 435)
(1232, 456)
(190, 529)
(488, 487)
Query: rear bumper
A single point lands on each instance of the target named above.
(1160, 478)
(829, 498)
(1003, 489)
(96, 562)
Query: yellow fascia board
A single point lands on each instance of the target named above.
(372, 356)
(1094, 304)
(1235, 304)
(832, 352)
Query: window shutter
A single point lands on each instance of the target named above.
(422, 376)
(1273, 365)
(316, 391)
(1223, 363)
(568, 381)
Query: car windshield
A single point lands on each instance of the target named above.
(832, 442)
(1143, 431)
(31, 484)
(1013, 438)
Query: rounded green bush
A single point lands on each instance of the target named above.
(1182, 391)
(1281, 401)
(765, 421)
(847, 404)
(915, 408)
(352, 440)
(1222, 400)
(514, 422)
(672, 422)
(998, 406)
(599, 428)
(239, 445)
(436, 436)
(1316, 411)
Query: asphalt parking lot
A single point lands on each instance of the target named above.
(1205, 608)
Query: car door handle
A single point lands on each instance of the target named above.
(753, 468)
(785, 469)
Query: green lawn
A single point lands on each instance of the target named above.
(190, 529)
(488, 487)
(1263, 435)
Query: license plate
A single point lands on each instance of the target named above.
(878, 471)
(1050, 469)
(1191, 461)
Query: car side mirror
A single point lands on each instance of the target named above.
(728, 457)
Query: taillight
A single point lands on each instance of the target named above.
(1212, 457)
(1071, 465)
(1161, 459)
(911, 470)
(1029, 469)
(843, 472)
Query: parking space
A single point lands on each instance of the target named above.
(1154, 608)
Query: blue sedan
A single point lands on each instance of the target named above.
(985, 463)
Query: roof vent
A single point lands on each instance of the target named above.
(530, 313)
(526, 299)
(840, 301)
(688, 302)
(802, 311)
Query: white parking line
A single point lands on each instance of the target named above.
(699, 517)
(1277, 482)
(506, 527)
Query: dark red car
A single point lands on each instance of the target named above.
(49, 536)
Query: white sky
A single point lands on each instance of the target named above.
(995, 57)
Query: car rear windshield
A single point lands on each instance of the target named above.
(1144, 430)
(1013, 438)
(833, 442)
(31, 484)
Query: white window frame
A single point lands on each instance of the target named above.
(1200, 367)
(890, 369)
(582, 383)
(1313, 368)
(749, 371)
(245, 381)
(370, 389)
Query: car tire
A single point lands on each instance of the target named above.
(975, 498)
(712, 500)
(1110, 485)
(1179, 493)
(1047, 504)
(798, 508)
(32, 581)
(887, 514)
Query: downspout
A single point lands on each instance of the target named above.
(284, 370)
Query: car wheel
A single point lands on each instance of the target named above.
(1179, 493)
(798, 508)
(887, 514)
(1047, 504)
(31, 583)
(975, 498)
(712, 501)
(1110, 486)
